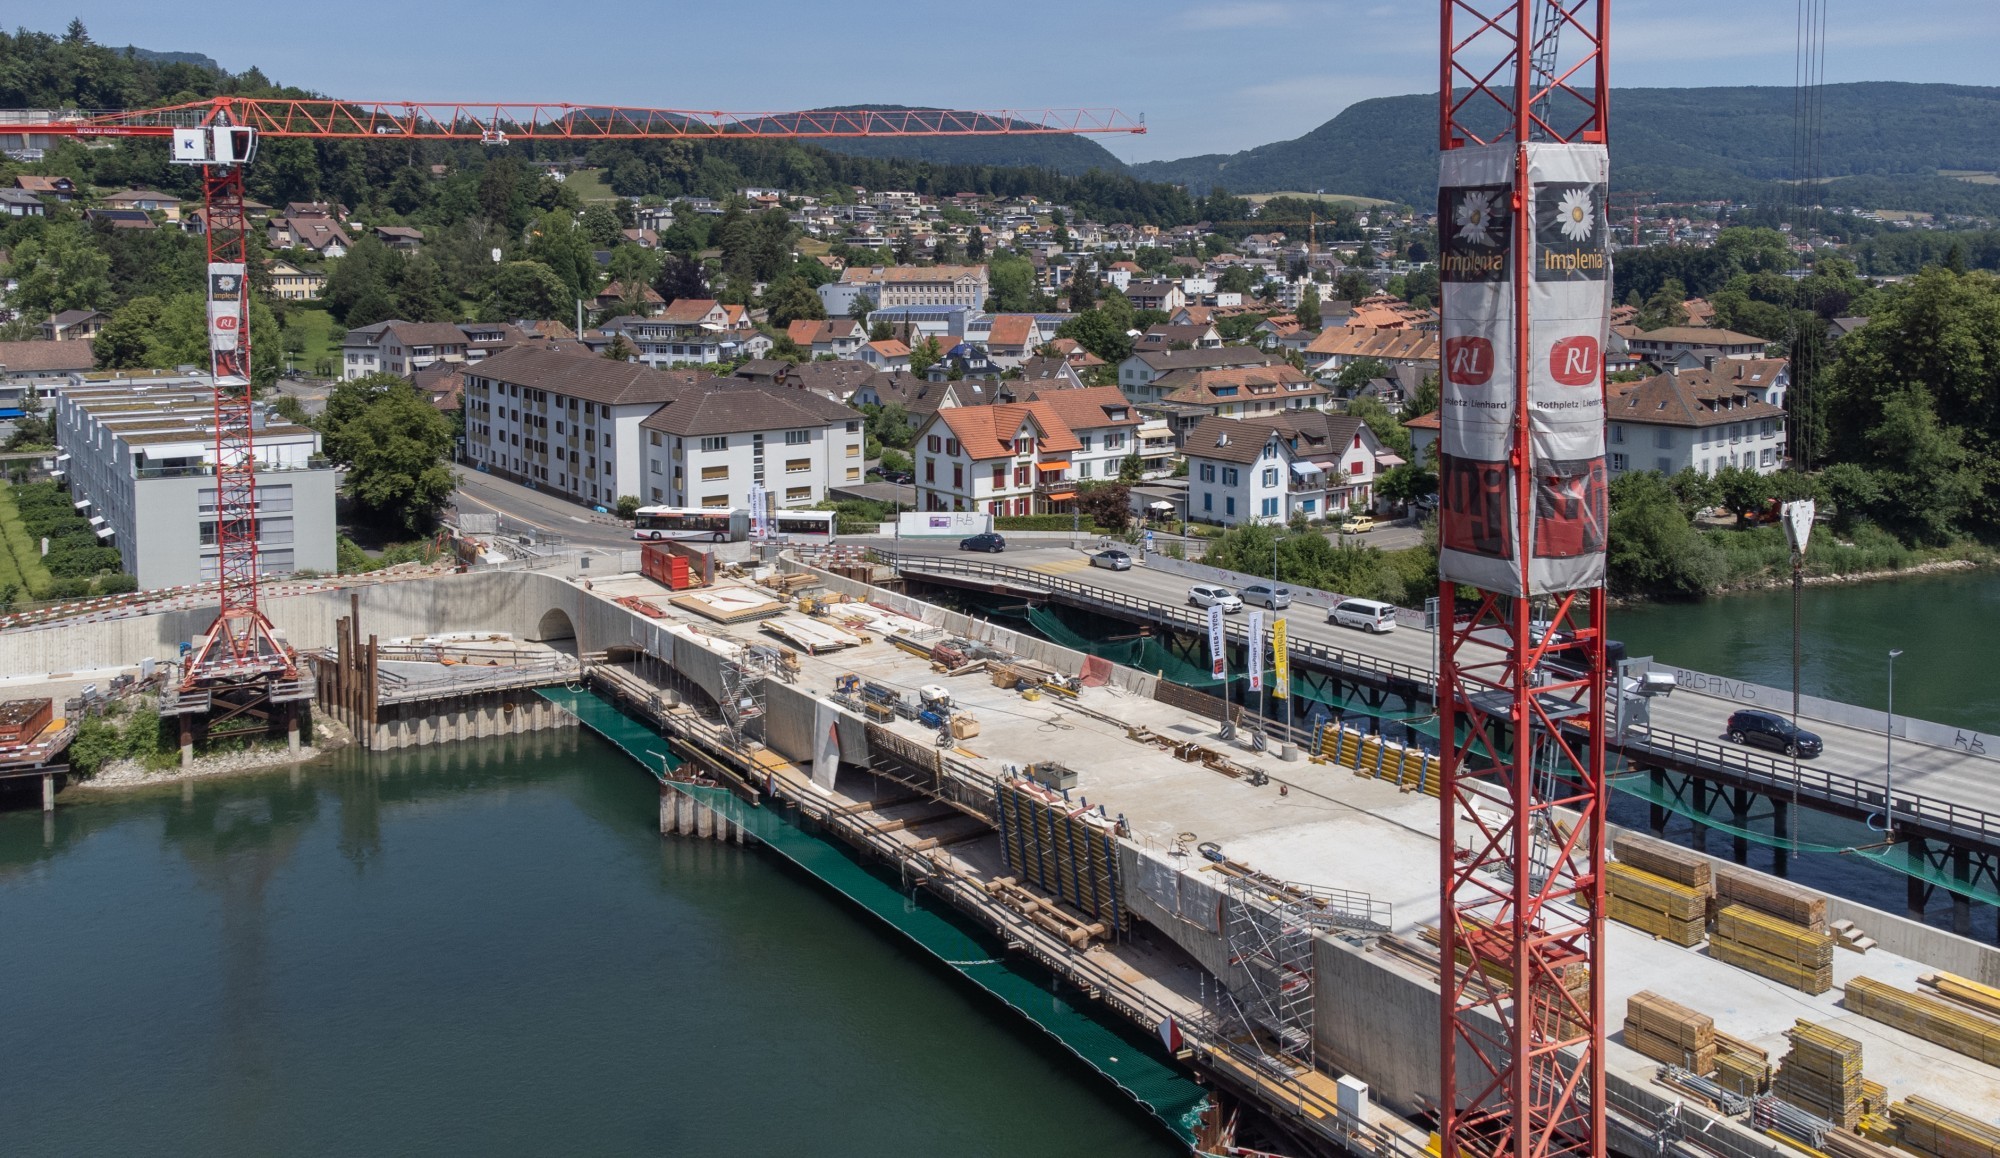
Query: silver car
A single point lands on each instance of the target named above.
(1112, 560)
(1261, 595)
(1211, 595)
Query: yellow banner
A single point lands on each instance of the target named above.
(1281, 661)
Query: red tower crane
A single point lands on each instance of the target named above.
(242, 658)
(1524, 117)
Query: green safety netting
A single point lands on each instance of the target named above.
(1169, 1093)
(632, 737)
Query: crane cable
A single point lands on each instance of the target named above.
(1808, 165)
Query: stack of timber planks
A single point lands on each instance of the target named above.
(1774, 897)
(1667, 1031)
(1847, 1144)
(1931, 1018)
(1984, 998)
(1664, 860)
(1741, 1067)
(1654, 904)
(1932, 1129)
(1788, 953)
(1822, 1074)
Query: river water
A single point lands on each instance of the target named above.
(484, 949)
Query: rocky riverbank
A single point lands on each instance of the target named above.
(127, 775)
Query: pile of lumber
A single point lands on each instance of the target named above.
(1769, 895)
(1932, 1018)
(1983, 998)
(1667, 1031)
(1932, 1129)
(1681, 865)
(1821, 1074)
(1784, 952)
(1654, 904)
(1740, 1067)
(1847, 1144)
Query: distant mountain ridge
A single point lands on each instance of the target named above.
(1679, 142)
(199, 60)
(1067, 154)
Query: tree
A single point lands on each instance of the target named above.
(1234, 280)
(1653, 548)
(1424, 400)
(1011, 279)
(619, 350)
(1108, 505)
(396, 446)
(60, 269)
(791, 300)
(1665, 308)
(600, 225)
(680, 277)
(1353, 285)
(1406, 483)
(627, 506)
(126, 341)
(526, 289)
(1744, 492)
(1361, 372)
(558, 242)
(1131, 469)
(1392, 434)
(1308, 311)
(924, 355)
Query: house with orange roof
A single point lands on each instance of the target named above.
(838, 337)
(887, 354)
(1336, 349)
(1424, 430)
(1105, 424)
(1010, 458)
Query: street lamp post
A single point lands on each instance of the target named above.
(1889, 750)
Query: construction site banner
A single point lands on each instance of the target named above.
(1218, 654)
(1281, 660)
(1482, 394)
(1256, 648)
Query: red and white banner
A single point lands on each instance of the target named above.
(1256, 651)
(1567, 272)
(228, 306)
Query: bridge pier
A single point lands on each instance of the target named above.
(1657, 814)
(1920, 889)
(1739, 818)
(1961, 905)
(1781, 828)
(1701, 804)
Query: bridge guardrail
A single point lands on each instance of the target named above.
(1833, 787)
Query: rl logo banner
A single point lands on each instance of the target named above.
(1575, 361)
(1468, 361)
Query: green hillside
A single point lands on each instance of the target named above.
(1679, 142)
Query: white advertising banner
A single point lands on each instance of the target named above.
(1567, 274)
(1256, 651)
(826, 744)
(1218, 654)
(227, 312)
(918, 524)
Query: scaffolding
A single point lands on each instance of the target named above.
(1270, 927)
(743, 676)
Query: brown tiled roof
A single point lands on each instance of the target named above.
(426, 333)
(687, 311)
(1198, 386)
(46, 357)
(981, 429)
(890, 348)
(1236, 440)
(1166, 361)
(1690, 398)
(1400, 345)
(1048, 369)
(584, 375)
(1429, 421)
(730, 406)
(1168, 333)
(1089, 408)
(841, 377)
(911, 273)
(1011, 330)
(1696, 336)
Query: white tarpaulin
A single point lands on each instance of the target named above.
(1568, 321)
(826, 743)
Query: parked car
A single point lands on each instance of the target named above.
(1112, 559)
(1212, 595)
(1262, 595)
(1770, 730)
(988, 541)
(1357, 524)
(1366, 614)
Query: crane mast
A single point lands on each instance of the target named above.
(1524, 278)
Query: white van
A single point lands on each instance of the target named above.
(1366, 614)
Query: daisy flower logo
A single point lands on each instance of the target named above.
(1474, 217)
(1575, 216)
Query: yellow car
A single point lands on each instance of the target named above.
(1357, 524)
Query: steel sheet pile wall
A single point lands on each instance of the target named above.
(1053, 848)
(1480, 461)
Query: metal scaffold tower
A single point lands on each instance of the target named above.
(1524, 266)
(743, 677)
(1270, 965)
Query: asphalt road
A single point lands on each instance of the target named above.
(525, 511)
(1941, 773)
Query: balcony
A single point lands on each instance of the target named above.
(316, 462)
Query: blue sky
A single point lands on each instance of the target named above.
(1208, 77)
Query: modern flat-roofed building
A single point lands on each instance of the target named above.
(140, 459)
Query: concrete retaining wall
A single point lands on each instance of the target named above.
(477, 717)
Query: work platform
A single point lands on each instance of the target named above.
(1320, 826)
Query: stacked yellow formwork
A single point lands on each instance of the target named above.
(1787, 902)
(1821, 1074)
(1931, 1018)
(1655, 904)
(1741, 1067)
(1411, 769)
(1669, 1032)
(1790, 954)
(1930, 1128)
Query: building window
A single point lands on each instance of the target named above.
(798, 494)
(853, 474)
(854, 450)
(1663, 439)
(798, 437)
(1208, 472)
(957, 476)
(1270, 478)
(1083, 469)
(798, 465)
(1207, 501)
(854, 427)
(930, 470)
(656, 494)
(1617, 435)
(951, 446)
(1229, 507)
(1020, 476)
(1617, 462)
(712, 501)
(651, 435)
(655, 463)
(1229, 476)
(935, 443)
(717, 442)
(1083, 441)
(1270, 507)
(714, 473)
(1355, 467)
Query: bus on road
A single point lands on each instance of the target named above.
(713, 524)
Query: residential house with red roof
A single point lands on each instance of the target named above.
(1700, 420)
(1010, 458)
(1310, 464)
(836, 337)
(689, 332)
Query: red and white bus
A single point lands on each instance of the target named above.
(713, 524)
(804, 526)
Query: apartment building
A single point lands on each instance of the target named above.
(591, 429)
(1699, 420)
(398, 347)
(1005, 459)
(1311, 464)
(1105, 424)
(917, 285)
(141, 458)
(712, 445)
(689, 331)
(1139, 375)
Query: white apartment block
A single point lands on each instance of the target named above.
(711, 449)
(1700, 420)
(919, 285)
(141, 460)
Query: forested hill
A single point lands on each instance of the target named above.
(1678, 142)
(1064, 154)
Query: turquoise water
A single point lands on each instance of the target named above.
(485, 949)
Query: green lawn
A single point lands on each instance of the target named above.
(589, 185)
(322, 337)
